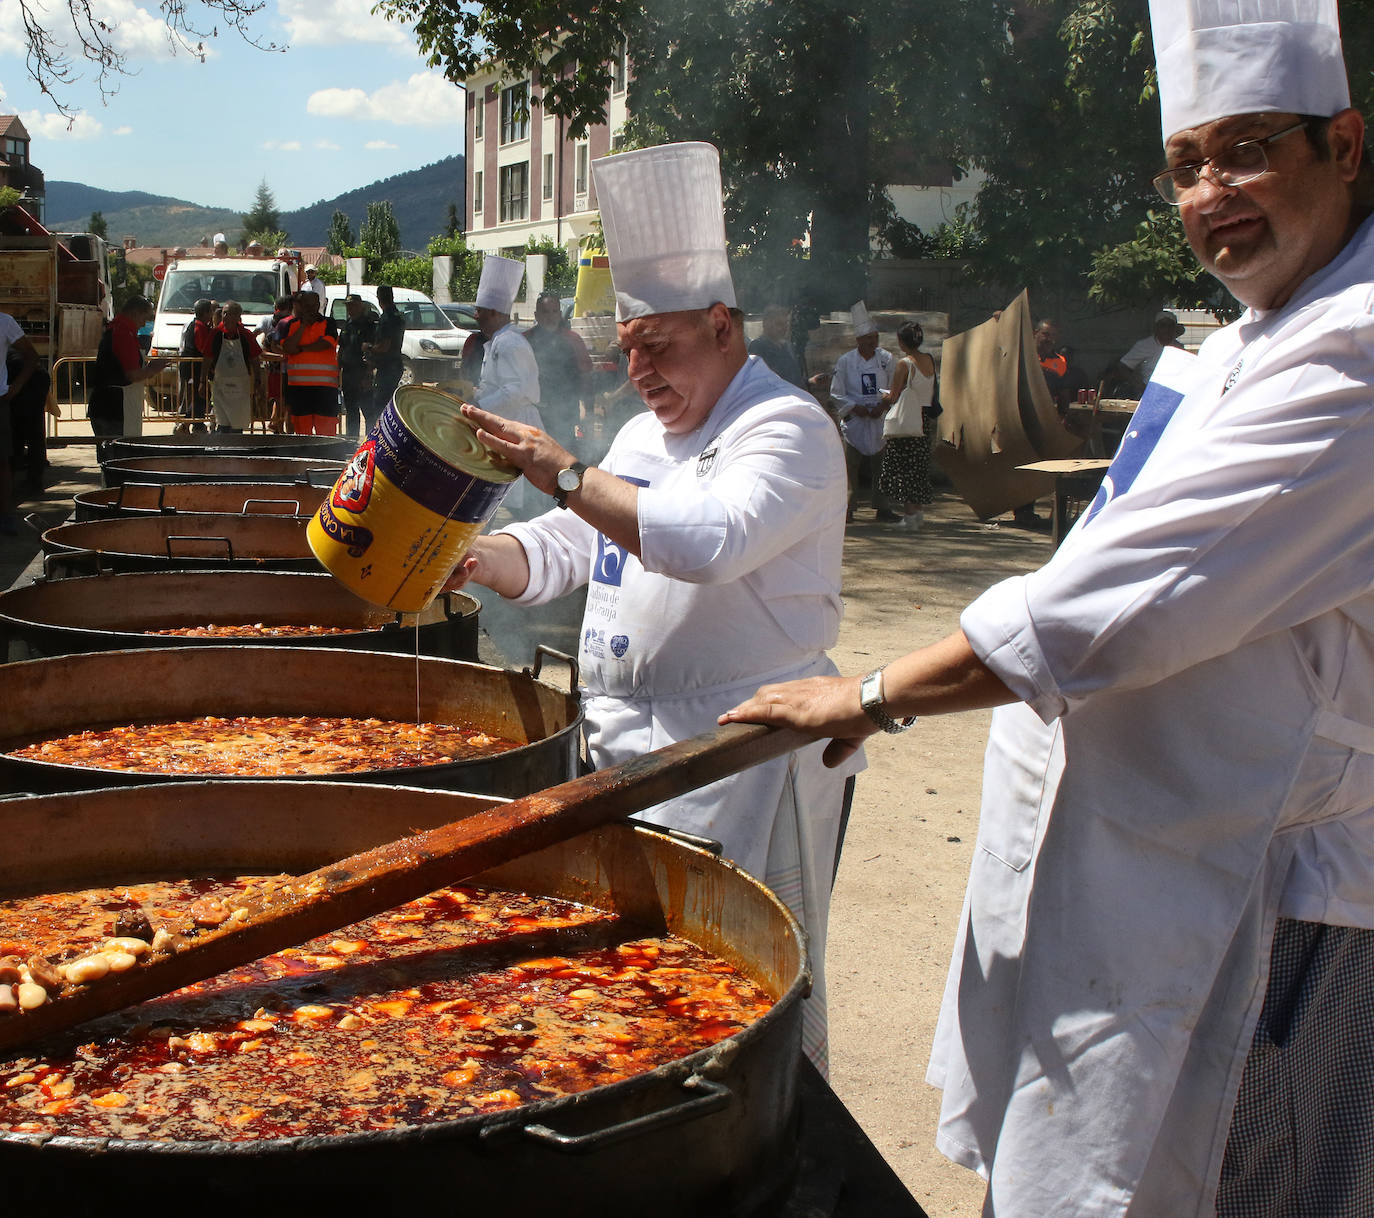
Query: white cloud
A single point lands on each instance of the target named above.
(331, 22)
(122, 131)
(327, 145)
(56, 127)
(378, 146)
(282, 145)
(425, 100)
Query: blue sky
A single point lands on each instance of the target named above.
(349, 101)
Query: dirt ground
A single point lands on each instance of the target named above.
(912, 831)
(906, 856)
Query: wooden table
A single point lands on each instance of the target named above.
(1075, 480)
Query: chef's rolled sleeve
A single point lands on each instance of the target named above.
(558, 548)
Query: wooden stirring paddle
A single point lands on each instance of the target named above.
(386, 876)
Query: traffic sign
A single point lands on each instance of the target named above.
(160, 271)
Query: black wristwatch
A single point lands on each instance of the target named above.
(871, 699)
(568, 480)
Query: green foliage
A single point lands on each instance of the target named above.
(9, 196)
(1155, 265)
(340, 235)
(453, 226)
(138, 281)
(561, 273)
(96, 224)
(263, 219)
(380, 235)
(271, 241)
(415, 273)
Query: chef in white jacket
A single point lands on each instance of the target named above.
(509, 385)
(856, 387)
(1161, 1000)
(709, 539)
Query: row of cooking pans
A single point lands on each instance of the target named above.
(714, 1132)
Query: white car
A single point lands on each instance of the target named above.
(433, 345)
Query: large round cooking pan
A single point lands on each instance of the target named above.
(134, 499)
(331, 448)
(112, 612)
(73, 693)
(711, 1133)
(217, 467)
(165, 543)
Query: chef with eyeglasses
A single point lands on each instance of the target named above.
(1161, 999)
(709, 539)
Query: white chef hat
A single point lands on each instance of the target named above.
(863, 323)
(1221, 57)
(219, 239)
(664, 222)
(499, 283)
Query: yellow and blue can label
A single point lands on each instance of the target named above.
(410, 502)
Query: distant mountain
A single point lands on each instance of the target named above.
(420, 199)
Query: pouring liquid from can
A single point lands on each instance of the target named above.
(411, 501)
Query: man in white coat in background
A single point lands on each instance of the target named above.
(509, 385)
(1161, 1000)
(709, 539)
(861, 376)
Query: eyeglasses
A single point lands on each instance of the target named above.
(1233, 166)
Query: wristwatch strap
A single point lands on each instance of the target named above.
(875, 709)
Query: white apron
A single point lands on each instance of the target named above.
(133, 409)
(232, 387)
(663, 655)
(1200, 761)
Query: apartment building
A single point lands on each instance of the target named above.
(526, 176)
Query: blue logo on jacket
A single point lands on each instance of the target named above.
(620, 644)
(609, 566)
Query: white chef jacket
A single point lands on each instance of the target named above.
(741, 526)
(859, 382)
(1194, 757)
(510, 387)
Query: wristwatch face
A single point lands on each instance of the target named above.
(571, 478)
(870, 690)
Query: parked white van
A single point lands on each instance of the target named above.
(433, 345)
(255, 283)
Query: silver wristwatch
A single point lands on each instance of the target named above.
(567, 481)
(871, 699)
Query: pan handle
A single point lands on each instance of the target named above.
(171, 537)
(704, 1097)
(159, 487)
(71, 558)
(294, 504)
(540, 651)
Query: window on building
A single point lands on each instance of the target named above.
(617, 142)
(583, 161)
(477, 207)
(479, 110)
(515, 192)
(515, 112)
(620, 69)
(16, 151)
(548, 175)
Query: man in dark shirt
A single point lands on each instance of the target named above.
(118, 363)
(385, 351)
(565, 370)
(773, 347)
(355, 377)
